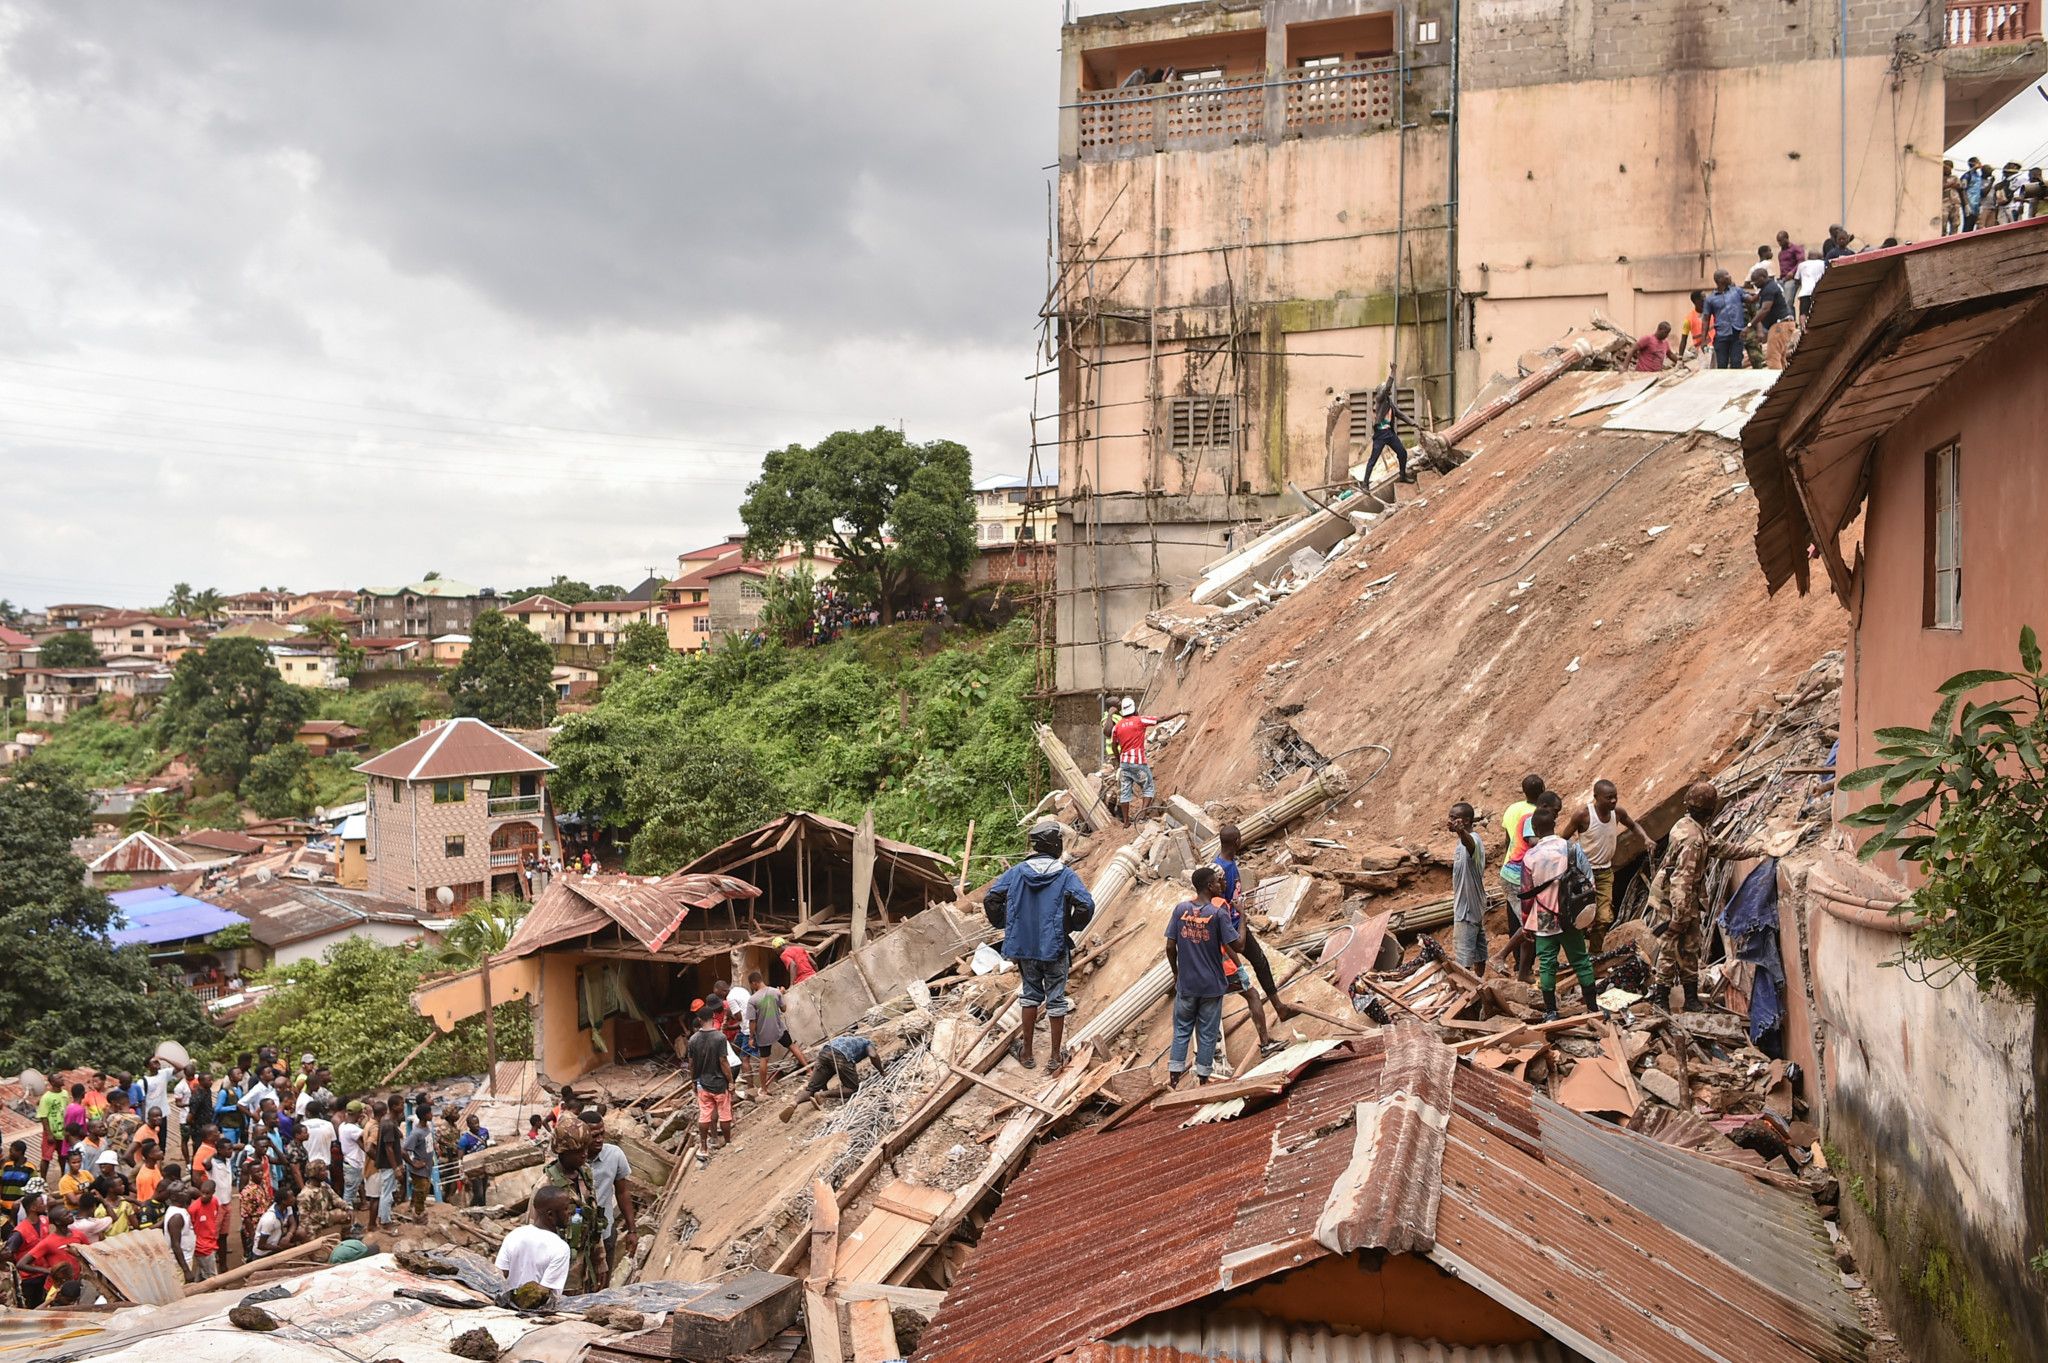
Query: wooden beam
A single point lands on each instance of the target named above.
(874, 1333)
(966, 857)
(410, 1056)
(993, 1087)
(821, 1323)
(1525, 1033)
(1884, 310)
(325, 1244)
(1246, 1086)
(920, 1300)
(863, 875)
(824, 1231)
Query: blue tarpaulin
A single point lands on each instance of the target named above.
(1751, 923)
(161, 914)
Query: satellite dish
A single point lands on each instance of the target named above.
(34, 1084)
(444, 896)
(262, 875)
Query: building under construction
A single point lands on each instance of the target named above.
(1264, 204)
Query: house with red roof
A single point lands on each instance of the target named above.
(457, 808)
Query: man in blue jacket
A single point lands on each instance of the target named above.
(1038, 903)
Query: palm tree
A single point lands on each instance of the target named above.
(181, 599)
(483, 929)
(207, 604)
(9, 612)
(328, 629)
(155, 814)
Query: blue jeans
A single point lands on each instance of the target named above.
(1728, 350)
(351, 1183)
(1201, 1017)
(1133, 779)
(1045, 985)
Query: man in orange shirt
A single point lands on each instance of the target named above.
(1133, 772)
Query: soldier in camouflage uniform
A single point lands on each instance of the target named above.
(320, 1207)
(569, 1170)
(1684, 873)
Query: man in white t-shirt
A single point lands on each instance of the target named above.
(1809, 274)
(280, 1222)
(536, 1251)
(349, 1135)
(320, 1135)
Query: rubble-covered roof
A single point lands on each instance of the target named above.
(1543, 1210)
(283, 911)
(929, 867)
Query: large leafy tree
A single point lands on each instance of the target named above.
(642, 644)
(891, 508)
(71, 650)
(506, 677)
(228, 706)
(280, 783)
(73, 997)
(571, 592)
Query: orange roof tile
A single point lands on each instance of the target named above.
(461, 747)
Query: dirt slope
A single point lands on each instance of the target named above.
(1465, 672)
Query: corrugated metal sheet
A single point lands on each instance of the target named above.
(139, 1267)
(141, 852)
(460, 747)
(649, 910)
(1537, 1210)
(1295, 1058)
(1247, 1337)
(37, 1334)
(1387, 1194)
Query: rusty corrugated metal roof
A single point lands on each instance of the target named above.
(140, 1268)
(459, 747)
(1386, 1197)
(1537, 1209)
(646, 908)
(1248, 1337)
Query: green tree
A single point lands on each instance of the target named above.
(329, 630)
(790, 605)
(280, 783)
(696, 790)
(393, 713)
(507, 676)
(642, 644)
(74, 998)
(482, 929)
(228, 706)
(71, 650)
(155, 814)
(1966, 800)
(179, 602)
(891, 509)
(10, 614)
(208, 604)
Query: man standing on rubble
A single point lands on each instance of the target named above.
(1597, 825)
(1229, 843)
(1681, 884)
(1468, 889)
(570, 1172)
(1133, 771)
(1198, 938)
(1384, 433)
(536, 1253)
(1039, 903)
(1514, 822)
(711, 1071)
(1543, 869)
(1728, 309)
(611, 1179)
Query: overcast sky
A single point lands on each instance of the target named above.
(326, 295)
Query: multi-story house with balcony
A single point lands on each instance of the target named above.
(458, 807)
(261, 604)
(423, 610)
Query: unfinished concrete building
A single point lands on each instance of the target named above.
(1265, 203)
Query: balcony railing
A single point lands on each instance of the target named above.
(502, 805)
(1350, 96)
(511, 858)
(1982, 23)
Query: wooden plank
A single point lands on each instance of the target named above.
(863, 875)
(1618, 1053)
(821, 1321)
(322, 1246)
(887, 1235)
(742, 1314)
(874, 1333)
(824, 1231)
(966, 857)
(410, 1056)
(920, 1300)
(1000, 1089)
(1524, 1033)
(1248, 1086)
(1087, 800)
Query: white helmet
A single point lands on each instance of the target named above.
(1127, 706)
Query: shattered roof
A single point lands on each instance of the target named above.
(929, 867)
(460, 747)
(649, 909)
(1611, 1244)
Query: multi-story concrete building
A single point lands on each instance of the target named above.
(542, 614)
(424, 609)
(1005, 510)
(459, 806)
(138, 635)
(262, 604)
(1264, 205)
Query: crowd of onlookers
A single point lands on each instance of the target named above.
(1978, 196)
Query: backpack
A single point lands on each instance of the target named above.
(1576, 896)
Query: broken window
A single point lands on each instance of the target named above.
(1204, 422)
(1944, 604)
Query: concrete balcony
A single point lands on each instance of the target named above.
(509, 806)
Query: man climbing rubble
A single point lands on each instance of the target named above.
(1681, 886)
(1039, 903)
(1133, 771)
(1198, 939)
(1549, 914)
(1384, 434)
(841, 1057)
(711, 1071)
(1229, 842)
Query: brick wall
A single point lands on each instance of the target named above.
(1534, 42)
(395, 825)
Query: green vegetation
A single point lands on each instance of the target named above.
(99, 749)
(228, 706)
(571, 593)
(76, 998)
(70, 650)
(506, 676)
(387, 715)
(712, 744)
(891, 509)
(354, 1007)
(642, 644)
(1966, 799)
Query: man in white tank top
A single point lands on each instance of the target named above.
(1596, 826)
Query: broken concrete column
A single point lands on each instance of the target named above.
(1191, 816)
(1265, 556)
(1120, 874)
(1094, 813)
(1328, 784)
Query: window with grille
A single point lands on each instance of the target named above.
(1944, 608)
(1359, 400)
(1200, 423)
